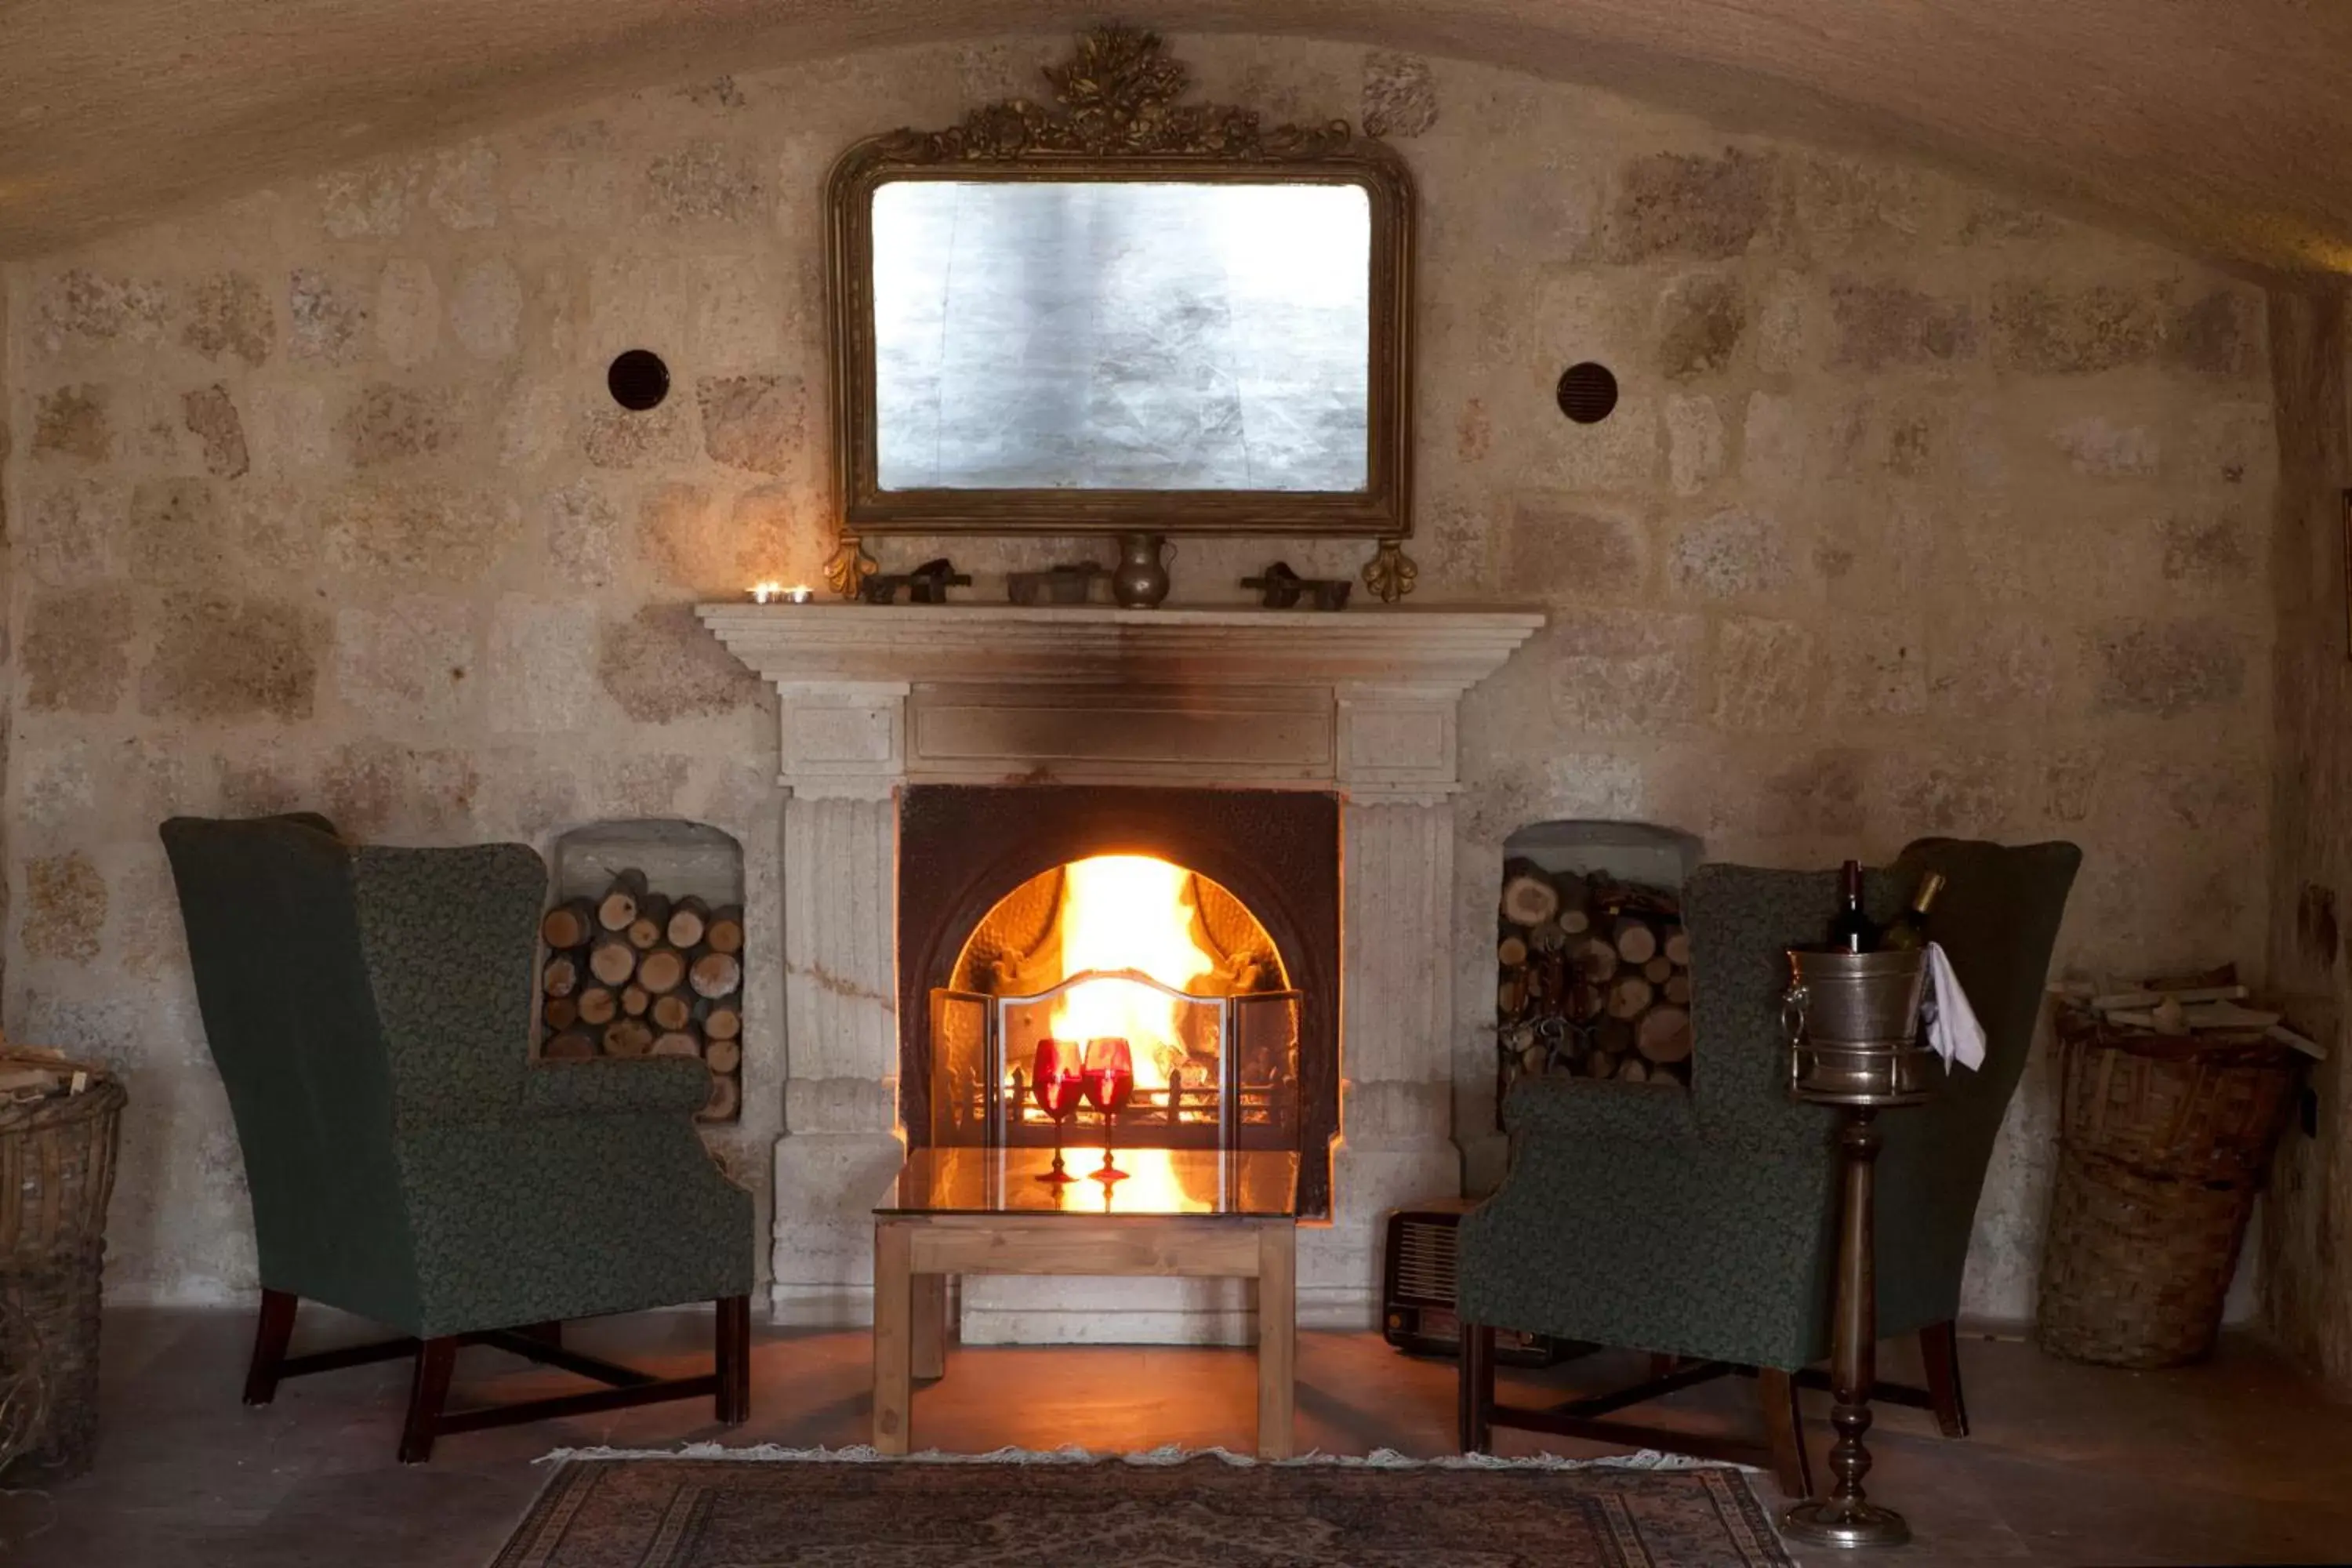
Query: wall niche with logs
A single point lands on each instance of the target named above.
(643, 951)
(1593, 966)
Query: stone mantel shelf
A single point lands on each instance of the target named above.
(873, 697)
(791, 644)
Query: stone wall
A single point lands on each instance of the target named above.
(2307, 1251)
(1923, 513)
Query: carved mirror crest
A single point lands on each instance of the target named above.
(1124, 313)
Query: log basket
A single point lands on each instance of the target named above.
(57, 1172)
(2163, 1142)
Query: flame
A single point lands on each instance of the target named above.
(1128, 911)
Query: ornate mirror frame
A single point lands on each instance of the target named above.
(1119, 120)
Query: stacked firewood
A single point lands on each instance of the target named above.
(1593, 978)
(635, 975)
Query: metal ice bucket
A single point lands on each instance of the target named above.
(1853, 1024)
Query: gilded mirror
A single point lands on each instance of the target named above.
(1123, 312)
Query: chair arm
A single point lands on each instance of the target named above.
(607, 1086)
(1600, 1108)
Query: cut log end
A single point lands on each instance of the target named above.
(1530, 898)
(1629, 997)
(726, 1099)
(723, 1056)
(571, 1045)
(1637, 941)
(715, 974)
(725, 932)
(1664, 1035)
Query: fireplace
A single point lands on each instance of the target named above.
(1199, 926)
(945, 765)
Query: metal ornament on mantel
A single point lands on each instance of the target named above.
(1853, 1024)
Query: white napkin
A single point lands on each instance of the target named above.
(1953, 1031)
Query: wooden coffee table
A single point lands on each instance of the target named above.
(983, 1211)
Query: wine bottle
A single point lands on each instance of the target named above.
(1851, 929)
(1910, 928)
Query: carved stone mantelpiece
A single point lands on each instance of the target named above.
(1361, 704)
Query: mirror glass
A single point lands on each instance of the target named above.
(1114, 335)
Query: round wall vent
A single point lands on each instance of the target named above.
(1588, 393)
(639, 380)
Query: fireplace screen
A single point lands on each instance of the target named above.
(1129, 948)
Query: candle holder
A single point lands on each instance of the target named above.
(1852, 1021)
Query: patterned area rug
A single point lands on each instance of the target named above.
(1204, 1512)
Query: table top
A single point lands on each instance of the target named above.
(1251, 1183)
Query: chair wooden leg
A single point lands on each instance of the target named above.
(1784, 1431)
(1475, 1391)
(734, 1335)
(272, 1333)
(1939, 1347)
(427, 1394)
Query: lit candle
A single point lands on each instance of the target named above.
(777, 594)
(764, 591)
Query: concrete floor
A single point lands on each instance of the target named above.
(2242, 1460)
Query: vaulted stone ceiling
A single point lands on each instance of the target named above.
(2216, 122)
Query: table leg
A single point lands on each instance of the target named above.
(930, 1355)
(893, 1337)
(1277, 1337)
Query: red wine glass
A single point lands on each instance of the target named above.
(1109, 1080)
(1058, 1077)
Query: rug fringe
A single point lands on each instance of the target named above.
(1166, 1454)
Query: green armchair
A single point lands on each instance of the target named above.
(370, 1012)
(1700, 1225)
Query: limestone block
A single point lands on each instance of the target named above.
(328, 318)
(1700, 323)
(64, 908)
(1622, 671)
(627, 438)
(59, 793)
(1879, 324)
(223, 657)
(73, 422)
(706, 180)
(464, 193)
(147, 936)
(176, 532)
(2096, 445)
(229, 314)
(1878, 669)
(533, 426)
(369, 202)
(1398, 880)
(1617, 455)
(486, 309)
(1695, 444)
(1967, 795)
(2043, 328)
(1765, 676)
(78, 308)
(1675, 205)
(2214, 554)
(1730, 554)
(1784, 330)
(388, 424)
(70, 532)
(1559, 548)
(1843, 204)
(1400, 95)
(2221, 334)
(863, 1104)
(740, 314)
(2070, 783)
(2235, 443)
(212, 418)
(754, 422)
(581, 529)
(405, 661)
(1998, 667)
(660, 665)
(407, 311)
(371, 788)
(1819, 795)
(2222, 795)
(423, 531)
(76, 649)
(543, 667)
(2165, 669)
(1775, 439)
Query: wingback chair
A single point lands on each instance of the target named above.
(1700, 1225)
(369, 1011)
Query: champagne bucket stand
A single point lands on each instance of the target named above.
(1853, 1023)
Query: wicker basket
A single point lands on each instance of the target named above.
(2162, 1144)
(56, 1171)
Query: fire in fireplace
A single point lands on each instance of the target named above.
(1196, 928)
(1132, 949)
